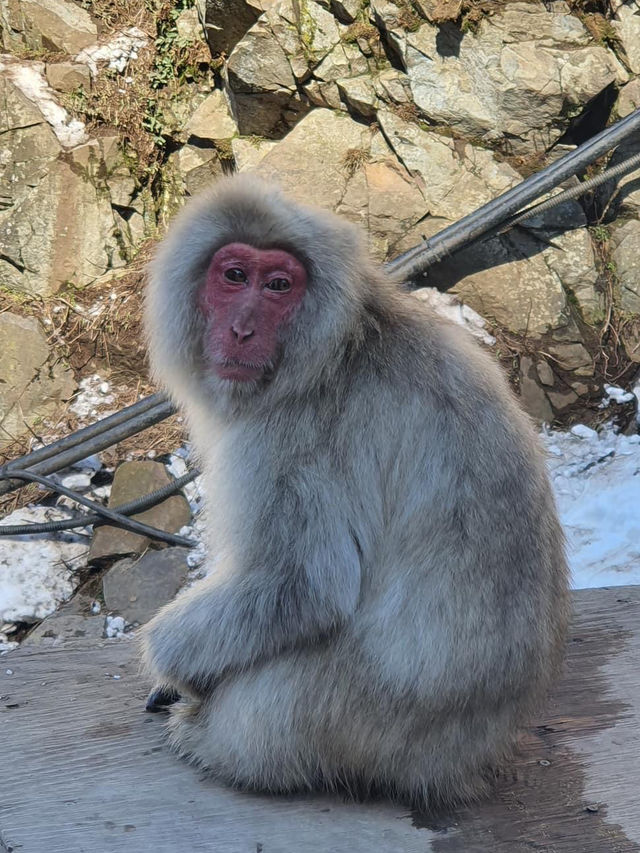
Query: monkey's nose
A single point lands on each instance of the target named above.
(241, 333)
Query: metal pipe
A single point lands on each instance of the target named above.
(120, 520)
(98, 442)
(82, 435)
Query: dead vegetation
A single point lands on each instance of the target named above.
(137, 102)
(95, 330)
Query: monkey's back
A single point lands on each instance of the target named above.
(463, 607)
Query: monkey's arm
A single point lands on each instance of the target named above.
(221, 626)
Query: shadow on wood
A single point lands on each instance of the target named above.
(85, 769)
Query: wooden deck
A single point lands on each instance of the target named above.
(85, 769)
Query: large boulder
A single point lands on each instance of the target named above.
(276, 55)
(56, 220)
(343, 166)
(519, 77)
(32, 385)
(226, 21)
(57, 25)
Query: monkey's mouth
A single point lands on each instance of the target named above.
(237, 370)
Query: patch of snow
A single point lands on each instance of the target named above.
(582, 431)
(90, 398)
(596, 480)
(114, 627)
(6, 645)
(449, 307)
(116, 53)
(616, 395)
(96, 608)
(75, 481)
(101, 492)
(37, 572)
(30, 80)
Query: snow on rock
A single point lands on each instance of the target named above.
(37, 572)
(30, 80)
(93, 395)
(596, 479)
(117, 53)
(616, 395)
(114, 627)
(449, 307)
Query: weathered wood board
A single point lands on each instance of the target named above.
(85, 769)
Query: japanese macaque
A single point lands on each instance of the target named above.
(389, 599)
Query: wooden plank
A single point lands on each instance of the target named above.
(85, 769)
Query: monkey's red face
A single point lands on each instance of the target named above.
(249, 296)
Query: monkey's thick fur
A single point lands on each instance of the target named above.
(390, 599)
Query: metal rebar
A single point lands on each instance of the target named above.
(628, 165)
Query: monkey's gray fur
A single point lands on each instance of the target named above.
(390, 600)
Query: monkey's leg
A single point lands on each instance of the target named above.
(302, 721)
(309, 720)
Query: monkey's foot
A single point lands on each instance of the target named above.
(160, 698)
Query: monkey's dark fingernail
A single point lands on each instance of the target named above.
(160, 699)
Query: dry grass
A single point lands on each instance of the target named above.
(354, 159)
(136, 108)
(95, 330)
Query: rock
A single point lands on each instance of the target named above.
(545, 374)
(345, 60)
(347, 10)
(59, 231)
(629, 98)
(247, 153)
(309, 161)
(212, 119)
(622, 196)
(279, 51)
(532, 397)
(625, 242)
(57, 25)
(261, 84)
(195, 168)
(339, 164)
(188, 25)
(136, 589)
(570, 256)
(67, 76)
(56, 223)
(440, 11)
(626, 24)
(133, 480)
(455, 177)
(226, 21)
(513, 78)
(359, 94)
(65, 628)
(573, 357)
(562, 400)
(30, 387)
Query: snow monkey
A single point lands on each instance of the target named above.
(389, 599)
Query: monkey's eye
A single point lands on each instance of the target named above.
(235, 275)
(278, 285)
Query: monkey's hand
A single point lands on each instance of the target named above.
(167, 641)
(161, 698)
(222, 626)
